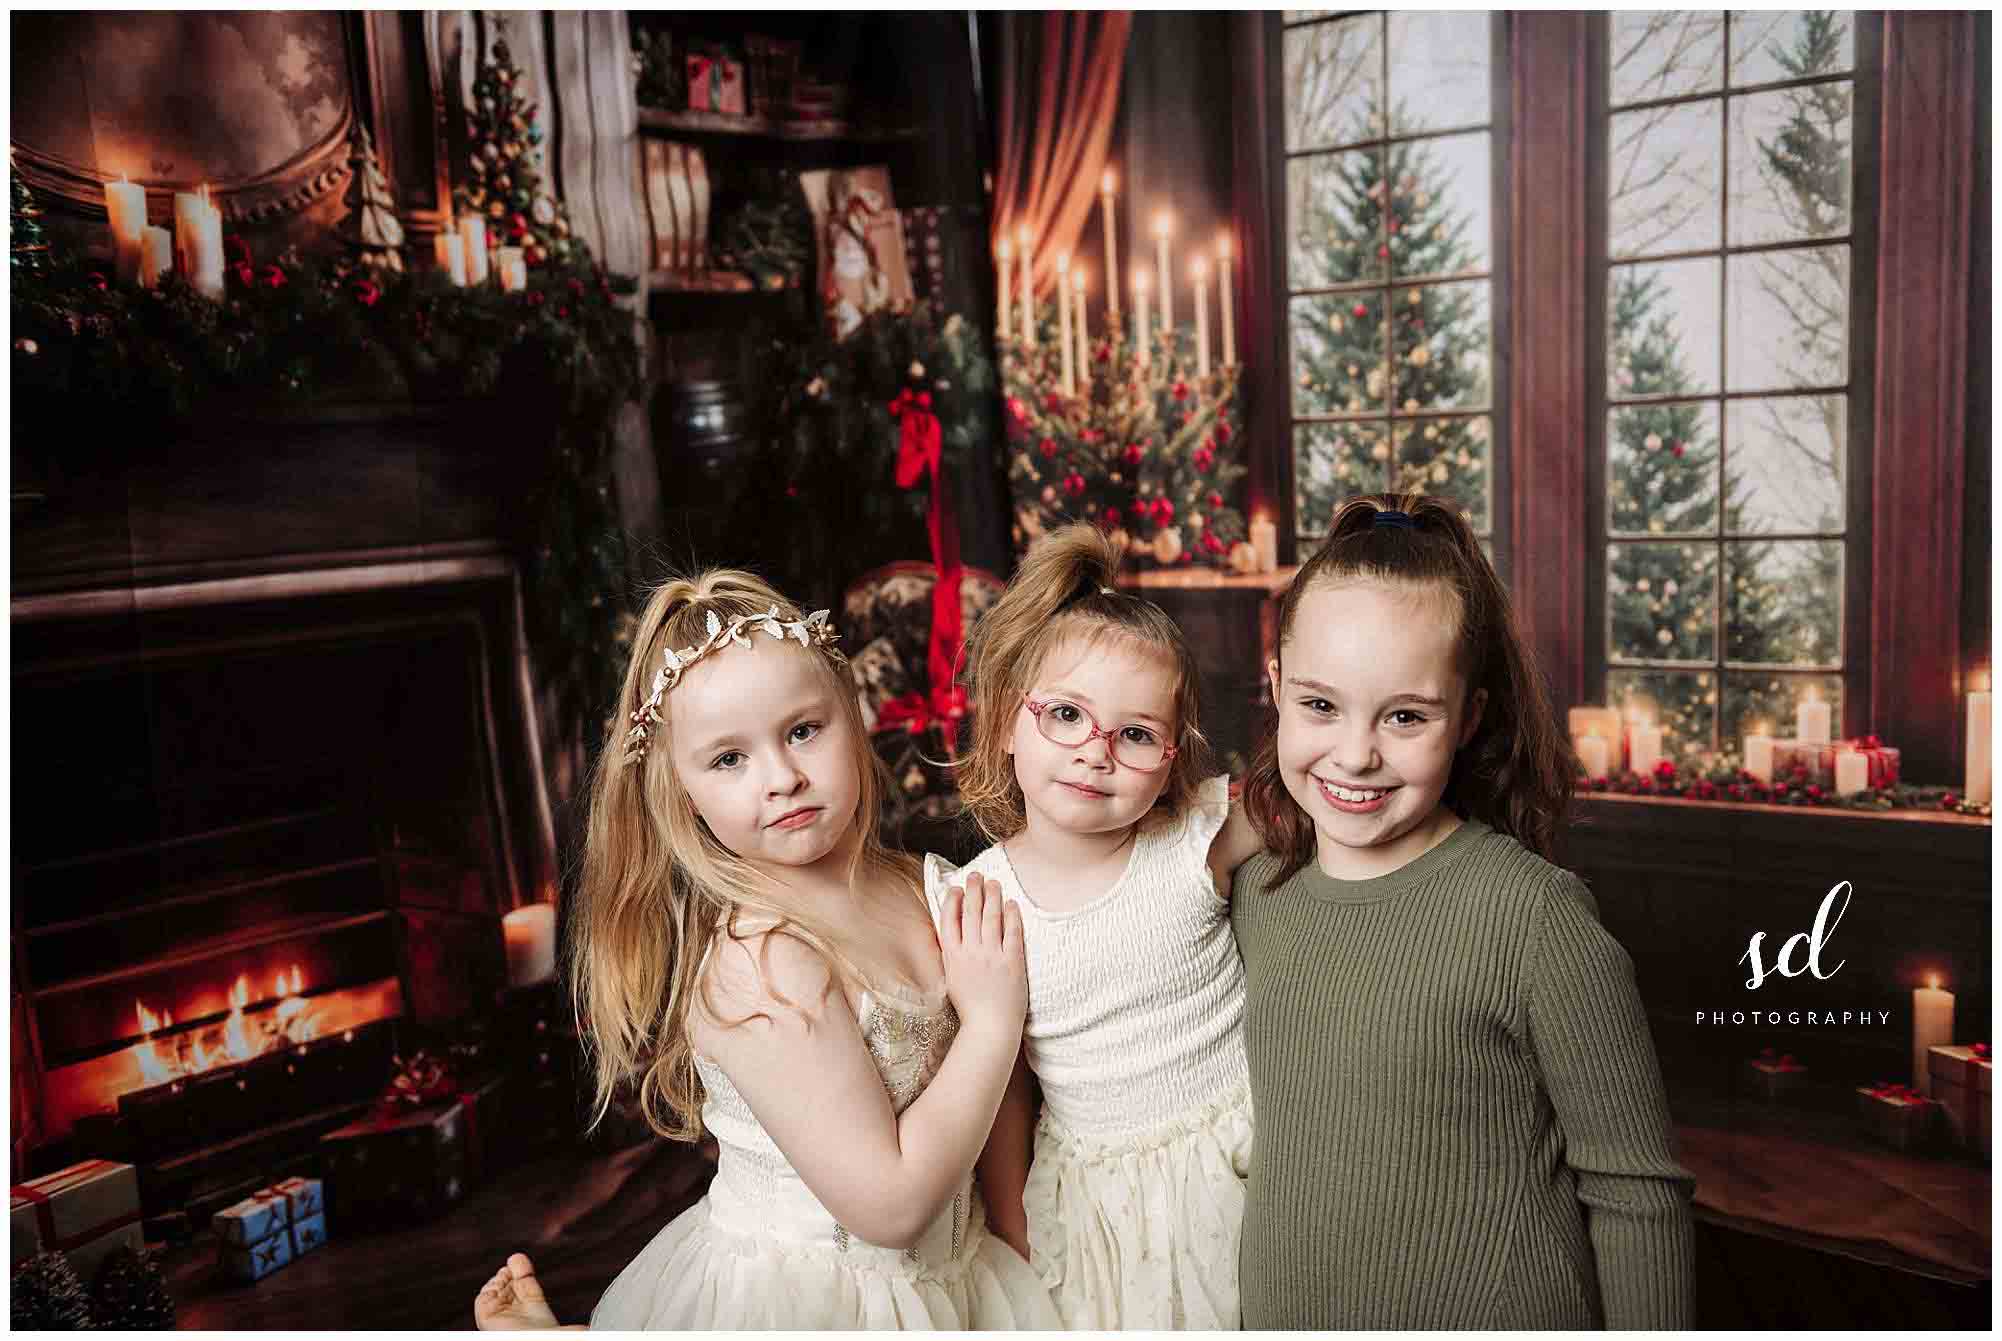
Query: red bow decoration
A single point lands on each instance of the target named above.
(920, 450)
(916, 713)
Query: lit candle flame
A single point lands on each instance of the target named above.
(1139, 281)
(1933, 982)
(1108, 182)
(1198, 270)
(1223, 247)
(1164, 224)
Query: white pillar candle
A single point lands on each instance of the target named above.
(1106, 185)
(1644, 746)
(125, 203)
(1142, 335)
(1164, 224)
(1064, 318)
(451, 250)
(1852, 772)
(1001, 256)
(1932, 1026)
(1593, 754)
(512, 268)
(1980, 747)
(473, 247)
(1199, 280)
(1759, 754)
(1022, 239)
(530, 933)
(187, 211)
(1226, 315)
(156, 256)
(1811, 720)
(205, 250)
(1265, 543)
(1081, 350)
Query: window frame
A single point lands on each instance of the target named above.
(1857, 555)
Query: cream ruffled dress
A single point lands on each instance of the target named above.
(1136, 1034)
(760, 1252)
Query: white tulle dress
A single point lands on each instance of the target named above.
(1135, 1032)
(760, 1252)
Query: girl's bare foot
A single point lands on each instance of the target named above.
(512, 1300)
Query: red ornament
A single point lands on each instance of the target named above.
(246, 275)
(1677, 450)
(1134, 454)
(1204, 459)
(1223, 431)
(1383, 253)
(1181, 390)
(1216, 500)
(1048, 448)
(1112, 516)
(366, 292)
(1074, 485)
(535, 297)
(1359, 311)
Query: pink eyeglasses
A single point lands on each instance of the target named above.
(1134, 746)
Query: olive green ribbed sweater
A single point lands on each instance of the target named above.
(1461, 1121)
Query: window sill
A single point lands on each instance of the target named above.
(1940, 817)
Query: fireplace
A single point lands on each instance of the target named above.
(268, 811)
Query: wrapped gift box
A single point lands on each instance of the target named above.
(715, 84)
(269, 1229)
(1816, 759)
(1963, 1080)
(248, 1262)
(304, 1198)
(396, 1166)
(1775, 1077)
(1897, 1115)
(1881, 759)
(254, 1219)
(84, 1211)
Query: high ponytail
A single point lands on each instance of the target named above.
(1066, 587)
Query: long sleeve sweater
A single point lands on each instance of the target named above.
(1461, 1121)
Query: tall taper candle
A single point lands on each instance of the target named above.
(1081, 351)
(1143, 337)
(1980, 746)
(1001, 255)
(1811, 719)
(1164, 224)
(1759, 754)
(1064, 318)
(1199, 280)
(125, 203)
(1023, 237)
(1106, 190)
(1226, 315)
(473, 243)
(1932, 1026)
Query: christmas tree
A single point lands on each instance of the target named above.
(47, 1296)
(372, 227)
(506, 169)
(29, 245)
(1374, 218)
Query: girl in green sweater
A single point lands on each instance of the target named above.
(1461, 1122)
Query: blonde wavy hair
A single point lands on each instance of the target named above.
(1067, 587)
(657, 889)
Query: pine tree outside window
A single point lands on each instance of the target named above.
(1391, 259)
(1738, 268)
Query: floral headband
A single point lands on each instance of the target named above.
(813, 631)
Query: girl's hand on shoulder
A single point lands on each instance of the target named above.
(1236, 843)
(980, 940)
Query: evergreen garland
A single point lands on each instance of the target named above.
(46, 1296)
(130, 1293)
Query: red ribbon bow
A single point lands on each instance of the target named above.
(920, 450)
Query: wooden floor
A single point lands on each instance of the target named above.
(581, 1215)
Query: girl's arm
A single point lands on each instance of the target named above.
(1589, 1034)
(1004, 1164)
(1236, 843)
(803, 1067)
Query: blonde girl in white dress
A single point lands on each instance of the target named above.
(1087, 771)
(747, 950)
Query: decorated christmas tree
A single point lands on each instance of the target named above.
(507, 184)
(28, 244)
(1378, 219)
(372, 228)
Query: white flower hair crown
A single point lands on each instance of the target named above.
(813, 631)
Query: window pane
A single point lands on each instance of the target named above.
(1661, 600)
(1447, 458)
(1333, 462)
(1334, 73)
(1788, 459)
(1664, 322)
(1769, 46)
(1790, 164)
(1784, 602)
(1661, 475)
(1789, 319)
(1440, 337)
(1683, 703)
(1336, 233)
(1666, 174)
(1338, 363)
(1665, 54)
(1440, 222)
(1769, 704)
(1438, 70)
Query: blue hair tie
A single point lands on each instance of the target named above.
(1392, 517)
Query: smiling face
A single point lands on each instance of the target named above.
(1083, 788)
(1372, 709)
(766, 754)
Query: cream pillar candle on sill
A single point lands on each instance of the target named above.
(1932, 1026)
(125, 204)
(1593, 753)
(1980, 747)
(1265, 543)
(473, 244)
(451, 249)
(1644, 745)
(198, 241)
(1759, 754)
(1852, 772)
(156, 257)
(512, 269)
(1811, 719)
(530, 933)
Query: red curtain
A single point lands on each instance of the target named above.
(1059, 91)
